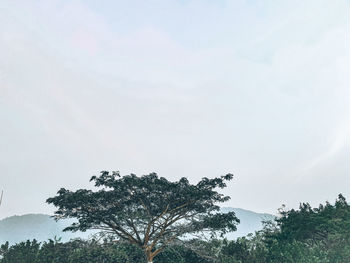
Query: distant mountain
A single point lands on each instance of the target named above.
(43, 227)
(250, 221)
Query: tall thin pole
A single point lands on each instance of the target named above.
(2, 193)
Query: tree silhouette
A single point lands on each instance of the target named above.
(148, 211)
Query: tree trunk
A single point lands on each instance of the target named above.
(149, 255)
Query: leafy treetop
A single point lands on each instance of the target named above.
(148, 211)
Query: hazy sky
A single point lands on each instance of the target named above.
(183, 88)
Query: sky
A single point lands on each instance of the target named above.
(194, 88)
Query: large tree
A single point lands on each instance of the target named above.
(148, 211)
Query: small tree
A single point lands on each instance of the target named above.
(148, 211)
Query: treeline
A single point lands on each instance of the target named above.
(80, 251)
(305, 235)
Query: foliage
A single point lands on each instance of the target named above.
(24, 252)
(306, 235)
(148, 211)
(316, 225)
(80, 251)
(77, 251)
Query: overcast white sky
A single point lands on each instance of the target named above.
(183, 88)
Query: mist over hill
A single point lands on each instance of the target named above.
(250, 221)
(43, 227)
(35, 226)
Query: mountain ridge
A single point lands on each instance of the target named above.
(43, 227)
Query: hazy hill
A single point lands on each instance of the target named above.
(250, 221)
(42, 227)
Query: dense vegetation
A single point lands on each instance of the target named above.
(305, 235)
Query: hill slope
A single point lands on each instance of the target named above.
(34, 226)
(250, 221)
(42, 227)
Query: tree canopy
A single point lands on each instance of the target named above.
(310, 235)
(147, 211)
